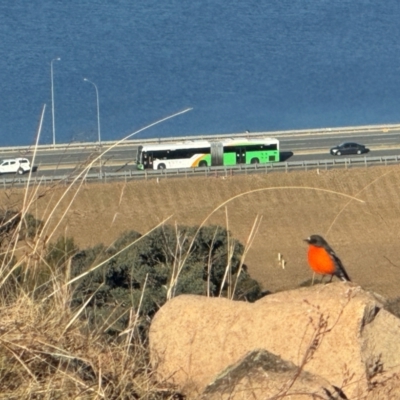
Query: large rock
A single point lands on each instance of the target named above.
(262, 375)
(336, 331)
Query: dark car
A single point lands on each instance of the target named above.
(348, 148)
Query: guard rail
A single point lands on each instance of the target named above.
(223, 171)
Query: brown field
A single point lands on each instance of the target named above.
(292, 206)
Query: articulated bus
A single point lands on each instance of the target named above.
(202, 153)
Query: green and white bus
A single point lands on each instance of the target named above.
(202, 153)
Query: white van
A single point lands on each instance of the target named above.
(15, 165)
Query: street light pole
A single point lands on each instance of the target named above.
(52, 98)
(98, 116)
(98, 109)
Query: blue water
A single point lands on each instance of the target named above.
(242, 65)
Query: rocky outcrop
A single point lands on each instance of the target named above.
(262, 375)
(336, 331)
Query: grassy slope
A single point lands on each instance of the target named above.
(365, 235)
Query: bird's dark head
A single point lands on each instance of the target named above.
(316, 240)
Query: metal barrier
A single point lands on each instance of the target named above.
(225, 171)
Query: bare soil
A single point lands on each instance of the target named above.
(365, 234)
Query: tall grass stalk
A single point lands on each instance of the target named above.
(209, 262)
(355, 197)
(229, 254)
(87, 168)
(248, 244)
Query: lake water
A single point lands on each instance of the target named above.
(242, 65)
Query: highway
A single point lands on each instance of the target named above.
(317, 147)
(294, 145)
(322, 143)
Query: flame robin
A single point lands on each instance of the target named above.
(323, 260)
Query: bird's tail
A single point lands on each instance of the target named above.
(342, 274)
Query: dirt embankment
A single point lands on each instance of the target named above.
(292, 206)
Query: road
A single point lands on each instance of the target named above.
(294, 147)
(317, 147)
(324, 142)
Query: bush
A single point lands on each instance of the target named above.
(31, 226)
(12, 230)
(145, 270)
(59, 253)
(9, 221)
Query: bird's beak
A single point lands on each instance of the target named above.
(307, 240)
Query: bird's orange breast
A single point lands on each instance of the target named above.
(320, 261)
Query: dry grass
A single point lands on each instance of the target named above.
(46, 350)
(40, 359)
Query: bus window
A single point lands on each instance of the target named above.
(262, 147)
(229, 149)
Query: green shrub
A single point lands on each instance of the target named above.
(31, 226)
(9, 226)
(9, 221)
(59, 253)
(144, 272)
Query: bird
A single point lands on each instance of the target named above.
(323, 260)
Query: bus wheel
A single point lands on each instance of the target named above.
(255, 161)
(161, 166)
(203, 163)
